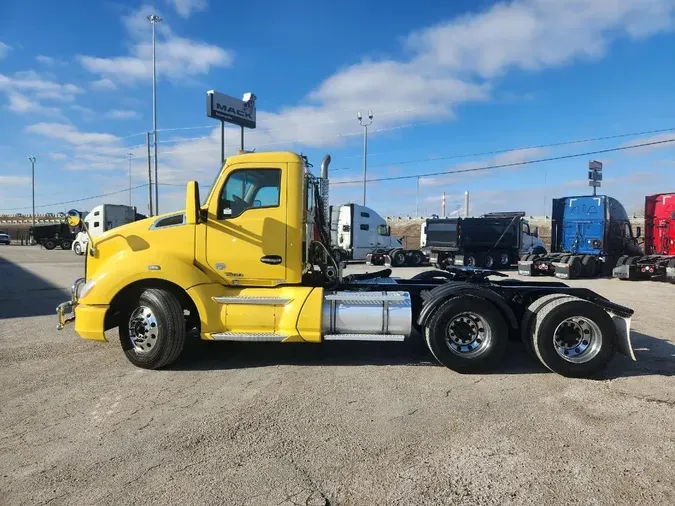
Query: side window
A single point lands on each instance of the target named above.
(365, 227)
(96, 224)
(365, 215)
(382, 230)
(249, 189)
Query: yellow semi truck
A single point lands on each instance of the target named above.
(253, 263)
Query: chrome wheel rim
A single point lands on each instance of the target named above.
(577, 339)
(489, 261)
(143, 329)
(468, 335)
(504, 259)
(471, 261)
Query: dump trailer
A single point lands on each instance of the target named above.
(493, 240)
(658, 262)
(588, 236)
(253, 263)
(359, 233)
(52, 235)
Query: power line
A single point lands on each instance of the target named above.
(514, 164)
(78, 200)
(502, 151)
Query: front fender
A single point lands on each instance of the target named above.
(121, 269)
(440, 294)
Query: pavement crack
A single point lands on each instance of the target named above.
(142, 474)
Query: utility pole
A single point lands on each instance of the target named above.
(365, 147)
(147, 141)
(32, 171)
(417, 199)
(153, 20)
(130, 155)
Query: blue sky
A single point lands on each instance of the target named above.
(442, 81)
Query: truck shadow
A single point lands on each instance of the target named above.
(655, 356)
(27, 294)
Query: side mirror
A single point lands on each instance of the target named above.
(638, 232)
(257, 203)
(73, 218)
(192, 214)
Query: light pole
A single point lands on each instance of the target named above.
(365, 147)
(32, 171)
(417, 198)
(130, 155)
(153, 20)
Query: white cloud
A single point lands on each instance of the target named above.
(21, 104)
(177, 57)
(71, 134)
(122, 114)
(48, 60)
(4, 50)
(32, 82)
(86, 112)
(14, 180)
(57, 156)
(186, 7)
(659, 138)
(104, 84)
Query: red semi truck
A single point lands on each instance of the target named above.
(659, 260)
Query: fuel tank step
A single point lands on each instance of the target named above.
(364, 337)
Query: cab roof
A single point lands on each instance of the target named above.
(265, 157)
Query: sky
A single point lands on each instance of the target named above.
(453, 87)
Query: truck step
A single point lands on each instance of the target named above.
(254, 301)
(249, 336)
(364, 337)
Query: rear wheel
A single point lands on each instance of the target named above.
(397, 258)
(49, 244)
(66, 244)
(573, 337)
(471, 259)
(504, 259)
(527, 323)
(589, 266)
(489, 261)
(576, 268)
(417, 258)
(152, 329)
(467, 334)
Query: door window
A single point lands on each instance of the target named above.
(249, 189)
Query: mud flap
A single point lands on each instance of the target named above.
(562, 270)
(621, 272)
(526, 268)
(623, 335)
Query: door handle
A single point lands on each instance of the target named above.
(271, 259)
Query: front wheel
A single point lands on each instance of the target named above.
(467, 334)
(77, 248)
(152, 329)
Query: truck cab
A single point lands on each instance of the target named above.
(100, 219)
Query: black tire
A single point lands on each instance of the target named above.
(77, 248)
(471, 260)
(488, 352)
(504, 259)
(66, 244)
(526, 324)
(49, 244)
(488, 261)
(417, 258)
(600, 349)
(576, 268)
(588, 266)
(397, 258)
(169, 337)
(539, 251)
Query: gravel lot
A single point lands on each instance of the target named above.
(331, 424)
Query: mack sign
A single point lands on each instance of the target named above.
(230, 109)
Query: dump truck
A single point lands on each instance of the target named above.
(51, 235)
(492, 240)
(253, 263)
(588, 236)
(658, 262)
(359, 232)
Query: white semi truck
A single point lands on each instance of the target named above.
(100, 219)
(358, 232)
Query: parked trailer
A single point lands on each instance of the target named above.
(658, 262)
(493, 240)
(588, 235)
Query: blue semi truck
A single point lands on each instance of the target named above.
(588, 235)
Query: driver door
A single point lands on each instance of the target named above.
(246, 230)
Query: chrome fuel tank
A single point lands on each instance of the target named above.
(366, 313)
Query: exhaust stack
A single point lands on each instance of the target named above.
(324, 166)
(466, 204)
